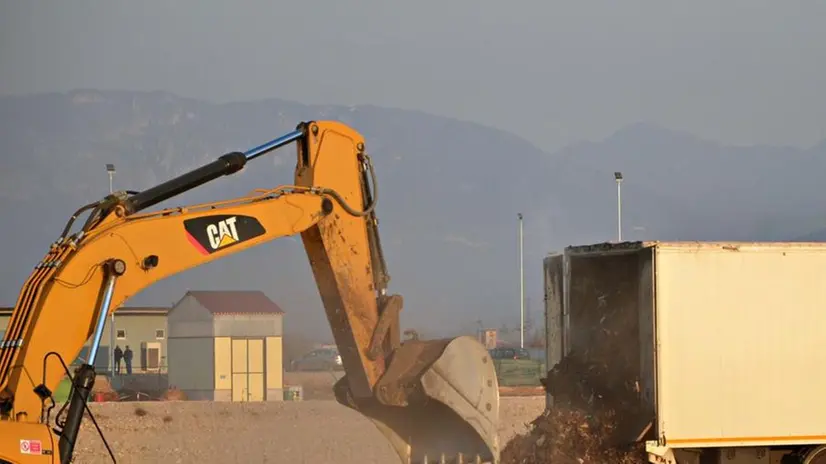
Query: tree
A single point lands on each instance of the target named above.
(536, 338)
(529, 326)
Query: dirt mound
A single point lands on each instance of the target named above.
(596, 418)
(102, 385)
(173, 394)
(570, 436)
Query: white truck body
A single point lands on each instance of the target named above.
(730, 340)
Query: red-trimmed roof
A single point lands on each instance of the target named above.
(235, 301)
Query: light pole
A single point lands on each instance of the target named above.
(521, 287)
(618, 178)
(110, 169)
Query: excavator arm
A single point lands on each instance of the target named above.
(432, 399)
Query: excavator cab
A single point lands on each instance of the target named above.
(436, 401)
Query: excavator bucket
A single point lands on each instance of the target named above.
(438, 402)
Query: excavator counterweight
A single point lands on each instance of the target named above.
(435, 401)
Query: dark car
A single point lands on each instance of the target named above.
(322, 359)
(509, 353)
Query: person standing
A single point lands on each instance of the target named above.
(127, 358)
(118, 358)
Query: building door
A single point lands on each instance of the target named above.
(255, 370)
(151, 356)
(247, 369)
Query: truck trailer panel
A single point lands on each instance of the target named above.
(724, 339)
(740, 336)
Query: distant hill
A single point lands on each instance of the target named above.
(449, 192)
(711, 191)
(816, 236)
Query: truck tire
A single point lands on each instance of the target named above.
(816, 456)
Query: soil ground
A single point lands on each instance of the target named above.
(316, 430)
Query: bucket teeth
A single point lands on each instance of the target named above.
(458, 459)
(437, 402)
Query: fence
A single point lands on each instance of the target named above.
(139, 380)
(519, 372)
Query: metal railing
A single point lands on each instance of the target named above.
(142, 378)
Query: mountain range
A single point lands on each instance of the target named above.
(449, 194)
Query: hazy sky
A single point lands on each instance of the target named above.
(745, 71)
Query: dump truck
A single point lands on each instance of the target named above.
(709, 352)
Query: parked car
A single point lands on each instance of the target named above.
(509, 353)
(322, 359)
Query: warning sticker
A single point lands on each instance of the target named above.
(30, 447)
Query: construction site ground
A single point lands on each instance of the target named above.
(311, 431)
(315, 430)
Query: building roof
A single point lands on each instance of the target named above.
(122, 311)
(235, 302)
(140, 310)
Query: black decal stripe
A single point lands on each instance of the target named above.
(246, 227)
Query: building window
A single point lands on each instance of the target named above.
(160, 334)
(120, 334)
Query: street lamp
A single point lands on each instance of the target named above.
(110, 169)
(521, 287)
(618, 178)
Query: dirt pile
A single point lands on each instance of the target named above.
(571, 436)
(592, 421)
(173, 394)
(597, 416)
(102, 385)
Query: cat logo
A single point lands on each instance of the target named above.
(210, 234)
(222, 234)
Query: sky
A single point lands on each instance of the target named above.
(739, 72)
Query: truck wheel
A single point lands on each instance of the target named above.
(816, 456)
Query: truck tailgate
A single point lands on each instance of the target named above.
(600, 317)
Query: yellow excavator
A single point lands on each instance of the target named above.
(435, 400)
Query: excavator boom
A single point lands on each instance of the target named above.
(435, 401)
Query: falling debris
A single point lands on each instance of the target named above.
(585, 425)
(564, 435)
(597, 416)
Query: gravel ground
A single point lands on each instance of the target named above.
(313, 431)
